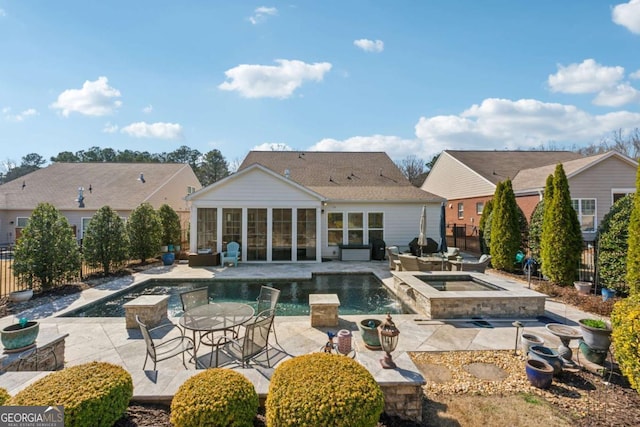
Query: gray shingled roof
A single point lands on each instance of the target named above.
(341, 175)
(113, 184)
(496, 166)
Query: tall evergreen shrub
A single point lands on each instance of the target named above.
(482, 227)
(170, 225)
(562, 237)
(47, 252)
(535, 231)
(145, 232)
(506, 236)
(105, 242)
(613, 245)
(546, 222)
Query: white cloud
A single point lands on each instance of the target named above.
(525, 123)
(110, 128)
(272, 146)
(628, 15)
(20, 117)
(635, 75)
(94, 99)
(261, 14)
(148, 109)
(587, 77)
(269, 81)
(370, 45)
(620, 95)
(154, 130)
(396, 146)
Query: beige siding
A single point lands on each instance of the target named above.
(598, 181)
(401, 222)
(452, 180)
(174, 191)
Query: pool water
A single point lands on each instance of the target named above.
(457, 284)
(358, 294)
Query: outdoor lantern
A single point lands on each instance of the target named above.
(388, 334)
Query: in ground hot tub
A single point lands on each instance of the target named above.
(450, 295)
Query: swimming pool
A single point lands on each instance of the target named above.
(460, 283)
(358, 294)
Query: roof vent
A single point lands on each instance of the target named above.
(287, 173)
(141, 179)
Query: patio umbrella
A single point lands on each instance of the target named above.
(442, 247)
(422, 236)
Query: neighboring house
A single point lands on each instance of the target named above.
(122, 186)
(467, 179)
(300, 206)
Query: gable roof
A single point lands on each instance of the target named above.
(496, 166)
(536, 178)
(117, 185)
(363, 176)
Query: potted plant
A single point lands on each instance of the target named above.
(596, 333)
(369, 331)
(25, 293)
(19, 335)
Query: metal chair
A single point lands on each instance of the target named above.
(231, 254)
(159, 351)
(268, 300)
(193, 299)
(254, 342)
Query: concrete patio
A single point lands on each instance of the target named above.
(107, 339)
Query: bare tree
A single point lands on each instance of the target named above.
(412, 168)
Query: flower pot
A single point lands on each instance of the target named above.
(596, 338)
(20, 296)
(168, 258)
(369, 331)
(548, 355)
(528, 340)
(607, 293)
(592, 355)
(539, 373)
(164, 248)
(584, 288)
(16, 337)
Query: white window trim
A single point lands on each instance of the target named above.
(460, 213)
(82, 227)
(375, 228)
(344, 227)
(595, 213)
(26, 218)
(345, 235)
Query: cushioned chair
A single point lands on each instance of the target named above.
(452, 253)
(159, 351)
(392, 255)
(476, 266)
(231, 254)
(409, 262)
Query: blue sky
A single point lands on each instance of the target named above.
(405, 77)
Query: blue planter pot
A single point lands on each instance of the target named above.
(17, 337)
(607, 293)
(168, 258)
(547, 355)
(539, 373)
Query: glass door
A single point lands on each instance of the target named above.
(256, 234)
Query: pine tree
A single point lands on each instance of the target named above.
(47, 252)
(562, 238)
(506, 236)
(145, 232)
(105, 242)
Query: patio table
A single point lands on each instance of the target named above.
(216, 316)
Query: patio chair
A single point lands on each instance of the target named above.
(231, 254)
(159, 351)
(268, 300)
(193, 299)
(254, 342)
(392, 254)
(476, 266)
(409, 262)
(452, 253)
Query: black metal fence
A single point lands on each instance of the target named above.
(464, 237)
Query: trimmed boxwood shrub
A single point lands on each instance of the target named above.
(215, 397)
(4, 396)
(321, 389)
(95, 394)
(612, 244)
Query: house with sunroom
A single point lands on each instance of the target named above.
(467, 179)
(78, 190)
(303, 206)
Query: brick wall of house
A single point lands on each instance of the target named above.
(528, 204)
